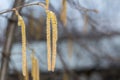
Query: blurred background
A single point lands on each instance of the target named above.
(88, 44)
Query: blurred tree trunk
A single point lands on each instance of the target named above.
(6, 53)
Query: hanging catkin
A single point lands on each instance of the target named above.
(47, 4)
(54, 38)
(48, 40)
(63, 15)
(27, 75)
(33, 64)
(24, 58)
(35, 68)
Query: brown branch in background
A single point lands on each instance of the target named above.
(95, 51)
(18, 74)
(65, 76)
(84, 12)
(31, 24)
(77, 5)
(65, 67)
(70, 46)
(85, 26)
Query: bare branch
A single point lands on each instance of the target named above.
(79, 7)
(26, 5)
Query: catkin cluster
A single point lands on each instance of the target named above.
(24, 58)
(52, 48)
(51, 19)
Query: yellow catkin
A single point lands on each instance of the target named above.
(63, 15)
(24, 58)
(26, 77)
(54, 38)
(47, 4)
(48, 40)
(35, 68)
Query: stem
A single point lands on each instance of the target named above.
(26, 5)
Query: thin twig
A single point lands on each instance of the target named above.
(77, 5)
(26, 5)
